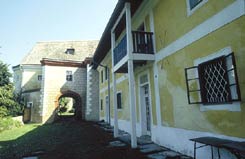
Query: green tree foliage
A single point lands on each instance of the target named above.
(4, 74)
(10, 103)
(63, 103)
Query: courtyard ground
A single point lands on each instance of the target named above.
(63, 140)
(71, 139)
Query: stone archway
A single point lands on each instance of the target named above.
(78, 102)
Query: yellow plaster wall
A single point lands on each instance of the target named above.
(175, 110)
(171, 20)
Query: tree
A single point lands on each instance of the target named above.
(4, 74)
(10, 103)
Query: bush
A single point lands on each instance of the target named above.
(8, 123)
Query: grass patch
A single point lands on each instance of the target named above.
(8, 123)
(31, 138)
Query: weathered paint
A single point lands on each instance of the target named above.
(171, 20)
(176, 112)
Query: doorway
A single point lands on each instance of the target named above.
(145, 105)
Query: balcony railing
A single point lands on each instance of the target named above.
(121, 50)
(142, 42)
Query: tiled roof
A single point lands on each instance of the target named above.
(57, 50)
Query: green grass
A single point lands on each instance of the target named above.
(49, 138)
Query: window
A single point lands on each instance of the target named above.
(29, 104)
(70, 51)
(102, 76)
(101, 104)
(119, 100)
(213, 82)
(68, 75)
(39, 77)
(193, 5)
(106, 73)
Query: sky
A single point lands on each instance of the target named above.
(25, 22)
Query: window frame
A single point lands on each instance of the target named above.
(190, 10)
(69, 76)
(225, 53)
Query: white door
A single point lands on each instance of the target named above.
(145, 110)
(147, 107)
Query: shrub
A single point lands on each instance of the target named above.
(8, 123)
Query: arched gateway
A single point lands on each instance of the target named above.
(78, 113)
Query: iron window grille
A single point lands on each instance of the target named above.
(119, 100)
(213, 82)
(69, 76)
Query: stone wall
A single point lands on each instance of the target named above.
(54, 83)
(92, 106)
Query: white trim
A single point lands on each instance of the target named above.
(235, 106)
(119, 18)
(179, 140)
(118, 81)
(120, 63)
(147, 57)
(191, 11)
(141, 111)
(227, 15)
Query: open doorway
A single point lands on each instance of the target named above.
(66, 106)
(69, 104)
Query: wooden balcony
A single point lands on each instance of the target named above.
(142, 45)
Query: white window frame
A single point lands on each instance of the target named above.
(234, 106)
(191, 11)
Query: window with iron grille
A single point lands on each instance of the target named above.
(213, 82)
(68, 75)
(119, 100)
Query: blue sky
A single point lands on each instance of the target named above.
(25, 22)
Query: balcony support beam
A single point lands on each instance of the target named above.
(131, 77)
(114, 87)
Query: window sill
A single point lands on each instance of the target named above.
(234, 107)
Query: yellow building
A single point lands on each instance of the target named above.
(176, 71)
